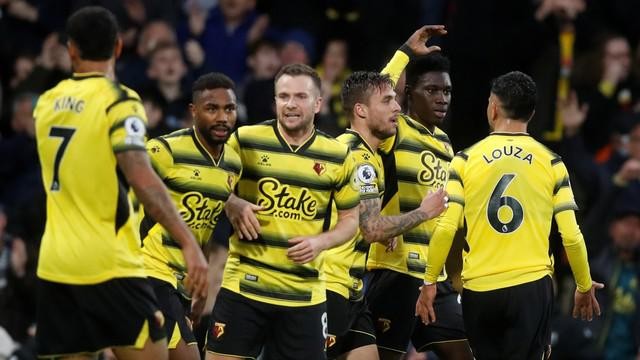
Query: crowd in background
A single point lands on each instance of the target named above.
(583, 54)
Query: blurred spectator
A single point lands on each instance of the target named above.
(298, 46)
(333, 70)
(618, 330)
(603, 81)
(259, 91)
(229, 28)
(156, 124)
(51, 66)
(131, 67)
(19, 168)
(17, 280)
(167, 72)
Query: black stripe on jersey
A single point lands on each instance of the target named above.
(454, 176)
(356, 140)
(169, 242)
(565, 207)
(462, 155)
(191, 160)
(121, 100)
(267, 241)
(299, 271)
(362, 246)
(249, 174)
(456, 199)
(145, 225)
(357, 272)
(556, 160)
(405, 176)
(562, 183)
(229, 165)
(178, 133)
(390, 176)
(202, 189)
(326, 224)
(281, 150)
(418, 149)
(164, 143)
(122, 205)
(415, 267)
(416, 239)
(244, 287)
(121, 148)
(443, 138)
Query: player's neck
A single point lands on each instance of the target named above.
(366, 135)
(296, 137)
(509, 126)
(214, 150)
(89, 66)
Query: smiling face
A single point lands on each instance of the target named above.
(297, 102)
(214, 114)
(430, 97)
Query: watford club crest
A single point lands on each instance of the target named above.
(384, 325)
(319, 168)
(218, 330)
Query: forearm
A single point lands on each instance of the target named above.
(344, 230)
(576, 250)
(377, 228)
(396, 65)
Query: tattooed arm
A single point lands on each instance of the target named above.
(377, 228)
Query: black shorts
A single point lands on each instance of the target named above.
(241, 327)
(392, 300)
(350, 325)
(81, 319)
(175, 309)
(449, 325)
(509, 323)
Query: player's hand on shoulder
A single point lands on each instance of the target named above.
(196, 280)
(586, 304)
(417, 40)
(434, 203)
(305, 248)
(242, 216)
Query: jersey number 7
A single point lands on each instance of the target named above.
(65, 133)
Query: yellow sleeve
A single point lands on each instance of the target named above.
(348, 191)
(396, 66)
(160, 155)
(233, 142)
(576, 250)
(448, 222)
(127, 121)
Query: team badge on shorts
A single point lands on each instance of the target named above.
(218, 329)
(384, 324)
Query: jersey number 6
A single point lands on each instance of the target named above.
(497, 201)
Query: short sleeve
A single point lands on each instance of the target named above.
(127, 121)
(347, 192)
(160, 155)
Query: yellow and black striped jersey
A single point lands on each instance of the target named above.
(345, 264)
(90, 235)
(296, 188)
(508, 187)
(198, 185)
(415, 162)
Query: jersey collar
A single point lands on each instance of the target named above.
(87, 75)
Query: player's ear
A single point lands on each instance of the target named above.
(118, 48)
(360, 110)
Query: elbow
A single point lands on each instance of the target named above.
(369, 235)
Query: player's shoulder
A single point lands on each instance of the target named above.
(232, 160)
(175, 139)
(327, 143)
(261, 128)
